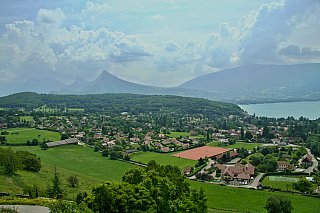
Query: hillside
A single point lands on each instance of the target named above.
(118, 102)
(262, 82)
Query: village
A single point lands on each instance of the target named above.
(262, 146)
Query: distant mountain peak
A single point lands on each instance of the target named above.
(106, 74)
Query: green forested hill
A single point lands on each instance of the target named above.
(117, 103)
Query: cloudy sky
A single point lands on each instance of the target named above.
(152, 42)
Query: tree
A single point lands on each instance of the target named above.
(105, 153)
(73, 180)
(55, 191)
(303, 185)
(9, 160)
(278, 204)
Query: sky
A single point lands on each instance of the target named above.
(152, 42)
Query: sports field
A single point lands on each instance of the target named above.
(201, 152)
(279, 178)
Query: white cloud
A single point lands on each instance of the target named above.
(157, 17)
(93, 15)
(45, 47)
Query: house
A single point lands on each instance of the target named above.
(176, 142)
(239, 172)
(134, 139)
(72, 130)
(219, 166)
(156, 144)
(147, 138)
(3, 126)
(110, 144)
(187, 170)
(223, 140)
(194, 133)
(166, 142)
(165, 149)
(284, 165)
(186, 146)
(306, 160)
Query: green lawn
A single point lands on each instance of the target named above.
(27, 118)
(163, 159)
(178, 134)
(280, 184)
(22, 135)
(84, 160)
(231, 198)
(236, 145)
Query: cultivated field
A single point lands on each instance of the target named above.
(22, 135)
(163, 159)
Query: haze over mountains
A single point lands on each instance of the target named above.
(250, 83)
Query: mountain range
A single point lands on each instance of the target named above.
(245, 84)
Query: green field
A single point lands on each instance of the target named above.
(16, 183)
(280, 183)
(236, 145)
(22, 135)
(247, 200)
(182, 134)
(163, 159)
(91, 169)
(84, 160)
(27, 118)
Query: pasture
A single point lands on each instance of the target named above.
(247, 200)
(162, 159)
(22, 135)
(85, 161)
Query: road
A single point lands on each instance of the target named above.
(314, 163)
(28, 209)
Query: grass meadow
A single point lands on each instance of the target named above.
(183, 134)
(236, 145)
(83, 160)
(22, 135)
(163, 159)
(92, 169)
(247, 200)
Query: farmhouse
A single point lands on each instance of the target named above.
(187, 170)
(284, 165)
(238, 171)
(71, 141)
(306, 160)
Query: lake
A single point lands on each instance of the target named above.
(307, 109)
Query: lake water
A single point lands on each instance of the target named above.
(307, 109)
